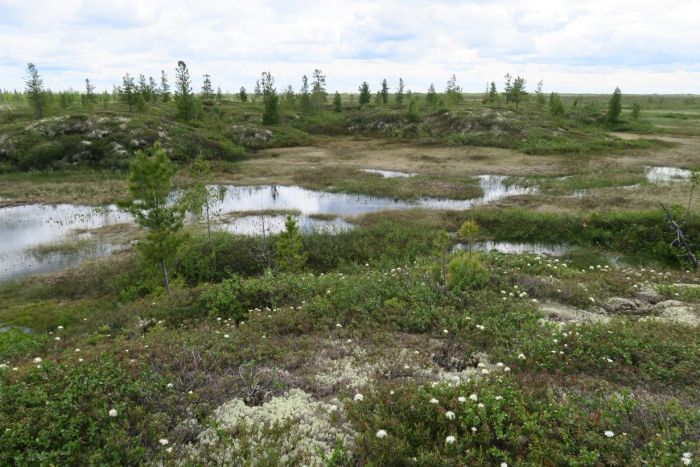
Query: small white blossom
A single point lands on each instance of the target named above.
(358, 397)
(609, 433)
(113, 412)
(450, 440)
(473, 397)
(462, 399)
(450, 415)
(433, 401)
(521, 356)
(381, 434)
(163, 441)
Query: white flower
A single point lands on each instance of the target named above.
(473, 397)
(481, 405)
(3, 366)
(521, 356)
(169, 385)
(338, 325)
(450, 440)
(381, 434)
(591, 299)
(57, 338)
(484, 371)
(37, 360)
(391, 393)
(499, 398)
(503, 464)
(450, 415)
(226, 336)
(687, 458)
(60, 327)
(445, 331)
(609, 433)
(433, 401)
(163, 441)
(462, 399)
(473, 429)
(112, 412)
(358, 397)
(77, 350)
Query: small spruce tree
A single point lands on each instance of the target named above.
(614, 107)
(271, 113)
(365, 94)
(34, 87)
(399, 93)
(337, 102)
(290, 248)
(184, 98)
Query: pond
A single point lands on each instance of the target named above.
(666, 174)
(24, 228)
(518, 248)
(390, 173)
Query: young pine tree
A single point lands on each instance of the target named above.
(431, 98)
(271, 114)
(318, 90)
(518, 92)
(305, 103)
(556, 107)
(34, 87)
(164, 87)
(614, 107)
(89, 98)
(453, 91)
(493, 93)
(384, 93)
(184, 98)
(201, 194)
(150, 184)
(337, 102)
(541, 101)
(128, 91)
(207, 90)
(364, 94)
(290, 248)
(398, 97)
(242, 95)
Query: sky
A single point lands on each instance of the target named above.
(583, 46)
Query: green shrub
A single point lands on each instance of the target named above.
(222, 300)
(465, 272)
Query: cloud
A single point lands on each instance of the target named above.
(592, 46)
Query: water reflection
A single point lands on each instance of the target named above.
(390, 173)
(666, 174)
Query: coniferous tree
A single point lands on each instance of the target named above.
(453, 91)
(143, 89)
(399, 93)
(541, 101)
(184, 99)
(257, 91)
(431, 97)
(128, 91)
(242, 95)
(318, 90)
(34, 87)
(556, 107)
(89, 97)
(201, 194)
(614, 107)
(219, 96)
(384, 93)
(508, 88)
(153, 89)
(493, 93)
(518, 92)
(305, 103)
(290, 248)
(164, 87)
(364, 94)
(636, 110)
(337, 102)
(150, 184)
(271, 114)
(207, 90)
(289, 98)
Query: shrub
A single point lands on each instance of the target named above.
(465, 272)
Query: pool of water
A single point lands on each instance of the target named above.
(25, 227)
(518, 248)
(390, 173)
(666, 174)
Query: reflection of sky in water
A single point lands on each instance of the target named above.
(242, 199)
(27, 226)
(665, 174)
(517, 248)
(389, 173)
(271, 224)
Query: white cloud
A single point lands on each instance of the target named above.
(592, 46)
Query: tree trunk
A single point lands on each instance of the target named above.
(208, 224)
(166, 281)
